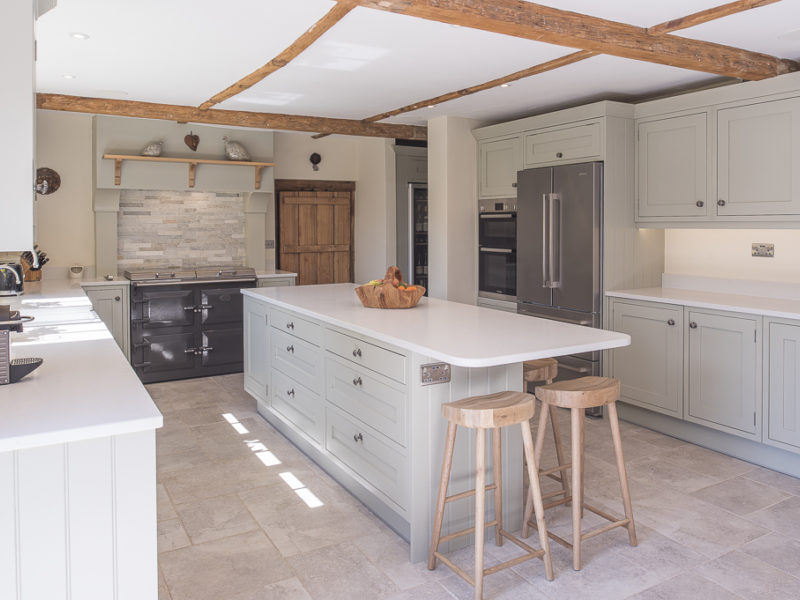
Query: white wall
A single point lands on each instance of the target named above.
(64, 219)
(725, 253)
(452, 209)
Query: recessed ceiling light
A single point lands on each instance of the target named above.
(79, 36)
(69, 76)
(505, 85)
(431, 105)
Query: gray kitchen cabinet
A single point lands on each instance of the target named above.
(564, 144)
(112, 305)
(275, 281)
(498, 163)
(651, 368)
(671, 170)
(783, 385)
(759, 159)
(722, 355)
(256, 350)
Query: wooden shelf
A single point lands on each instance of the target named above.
(192, 162)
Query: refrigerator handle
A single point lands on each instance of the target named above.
(545, 201)
(555, 241)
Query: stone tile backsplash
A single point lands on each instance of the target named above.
(180, 229)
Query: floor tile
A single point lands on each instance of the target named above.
(215, 518)
(164, 504)
(777, 550)
(288, 589)
(163, 590)
(783, 517)
(787, 483)
(750, 578)
(427, 591)
(686, 586)
(224, 568)
(390, 554)
(707, 462)
(659, 471)
(340, 572)
(740, 495)
(171, 535)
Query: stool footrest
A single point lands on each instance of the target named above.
(604, 528)
(549, 472)
(468, 493)
(615, 522)
(552, 494)
(455, 568)
(452, 536)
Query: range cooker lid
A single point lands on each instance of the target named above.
(191, 273)
(226, 272)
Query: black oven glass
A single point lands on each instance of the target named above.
(497, 230)
(497, 272)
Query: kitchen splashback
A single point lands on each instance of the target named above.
(157, 228)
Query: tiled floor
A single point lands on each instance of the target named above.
(236, 520)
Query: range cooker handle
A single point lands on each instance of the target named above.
(141, 365)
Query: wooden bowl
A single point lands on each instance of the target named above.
(386, 295)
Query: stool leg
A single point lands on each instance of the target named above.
(480, 499)
(559, 448)
(447, 463)
(623, 476)
(537, 455)
(498, 481)
(536, 495)
(576, 415)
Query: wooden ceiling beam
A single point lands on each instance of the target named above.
(546, 24)
(191, 114)
(710, 14)
(333, 16)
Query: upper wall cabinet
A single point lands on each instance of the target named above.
(563, 145)
(672, 167)
(759, 159)
(498, 162)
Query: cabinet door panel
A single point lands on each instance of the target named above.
(723, 381)
(759, 159)
(582, 141)
(110, 305)
(256, 349)
(499, 161)
(671, 167)
(650, 370)
(784, 385)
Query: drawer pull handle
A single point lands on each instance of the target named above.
(290, 348)
(559, 155)
(720, 202)
(357, 381)
(693, 325)
(700, 204)
(290, 392)
(116, 298)
(358, 438)
(357, 352)
(290, 325)
(671, 322)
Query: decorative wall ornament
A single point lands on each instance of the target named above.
(192, 140)
(153, 148)
(47, 181)
(315, 159)
(234, 150)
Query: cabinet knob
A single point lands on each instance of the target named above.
(671, 322)
(559, 155)
(116, 298)
(290, 392)
(720, 202)
(700, 204)
(358, 438)
(357, 381)
(290, 348)
(514, 184)
(692, 325)
(357, 352)
(290, 325)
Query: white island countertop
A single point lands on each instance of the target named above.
(84, 389)
(460, 334)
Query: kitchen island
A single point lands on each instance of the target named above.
(345, 384)
(77, 459)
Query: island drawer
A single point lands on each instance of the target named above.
(298, 404)
(372, 457)
(298, 359)
(381, 360)
(299, 327)
(373, 399)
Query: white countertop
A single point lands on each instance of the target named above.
(460, 334)
(274, 273)
(84, 389)
(760, 305)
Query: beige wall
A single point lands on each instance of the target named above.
(64, 219)
(339, 156)
(725, 253)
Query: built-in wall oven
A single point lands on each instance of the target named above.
(497, 250)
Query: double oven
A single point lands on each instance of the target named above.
(497, 250)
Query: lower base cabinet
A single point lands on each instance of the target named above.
(783, 388)
(111, 303)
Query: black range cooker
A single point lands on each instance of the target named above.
(187, 322)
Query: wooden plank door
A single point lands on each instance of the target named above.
(316, 235)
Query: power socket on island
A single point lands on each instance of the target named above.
(765, 250)
(435, 373)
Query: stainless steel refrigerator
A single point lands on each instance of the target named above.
(559, 217)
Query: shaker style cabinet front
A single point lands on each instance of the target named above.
(110, 303)
(723, 368)
(759, 159)
(498, 163)
(783, 381)
(650, 370)
(256, 349)
(565, 144)
(671, 174)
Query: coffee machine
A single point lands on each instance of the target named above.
(12, 371)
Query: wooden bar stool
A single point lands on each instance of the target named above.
(578, 395)
(492, 411)
(546, 370)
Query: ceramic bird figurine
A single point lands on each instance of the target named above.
(153, 148)
(234, 150)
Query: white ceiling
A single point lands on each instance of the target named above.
(185, 51)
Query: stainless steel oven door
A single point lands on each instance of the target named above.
(497, 273)
(497, 230)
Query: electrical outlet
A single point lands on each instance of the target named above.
(435, 373)
(269, 244)
(765, 250)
